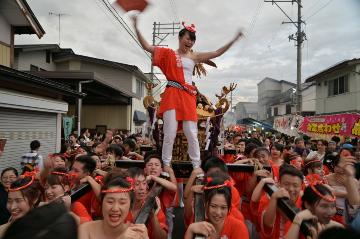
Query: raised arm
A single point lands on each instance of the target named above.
(204, 56)
(147, 47)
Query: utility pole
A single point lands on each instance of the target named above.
(59, 15)
(160, 32)
(299, 38)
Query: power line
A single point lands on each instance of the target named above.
(174, 10)
(299, 37)
(317, 11)
(119, 19)
(252, 24)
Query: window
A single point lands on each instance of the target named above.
(276, 111)
(140, 88)
(48, 56)
(34, 68)
(338, 86)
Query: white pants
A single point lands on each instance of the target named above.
(191, 132)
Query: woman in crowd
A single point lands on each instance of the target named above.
(344, 183)
(220, 224)
(156, 225)
(313, 170)
(117, 197)
(178, 101)
(276, 151)
(8, 176)
(294, 159)
(57, 186)
(25, 193)
(319, 206)
(321, 150)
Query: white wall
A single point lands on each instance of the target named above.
(349, 101)
(119, 79)
(36, 58)
(309, 99)
(5, 31)
(137, 104)
(284, 87)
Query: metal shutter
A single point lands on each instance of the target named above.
(20, 127)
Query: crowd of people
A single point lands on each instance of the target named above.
(319, 177)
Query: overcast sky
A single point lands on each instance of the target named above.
(332, 29)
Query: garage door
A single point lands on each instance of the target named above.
(20, 127)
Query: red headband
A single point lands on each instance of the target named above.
(121, 190)
(62, 156)
(190, 28)
(26, 174)
(61, 174)
(329, 198)
(227, 183)
(312, 161)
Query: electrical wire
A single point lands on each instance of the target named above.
(119, 19)
(174, 10)
(317, 11)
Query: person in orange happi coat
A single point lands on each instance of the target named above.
(178, 102)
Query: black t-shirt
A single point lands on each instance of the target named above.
(4, 213)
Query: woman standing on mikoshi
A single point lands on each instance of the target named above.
(178, 102)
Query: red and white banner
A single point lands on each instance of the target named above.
(330, 125)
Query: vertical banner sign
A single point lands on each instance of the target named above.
(288, 124)
(67, 125)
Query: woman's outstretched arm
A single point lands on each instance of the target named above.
(204, 56)
(147, 47)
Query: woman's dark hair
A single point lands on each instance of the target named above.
(116, 149)
(136, 172)
(311, 197)
(278, 147)
(339, 232)
(217, 179)
(34, 193)
(10, 169)
(214, 162)
(131, 143)
(259, 150)
(250, 147)
(153, 154)
(89, 163)
(192, 35)
(311, 165)
(49, 221)
(329, 161)
(324, 142)
(118, 181)
(56, 179)
(287, 169)
(290, 156)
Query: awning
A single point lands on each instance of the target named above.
(255, 123)
(139, 116)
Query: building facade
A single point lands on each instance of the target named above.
(272, 97)
(114, 90)
(338, 88)
(246, 110)
(30, 107)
